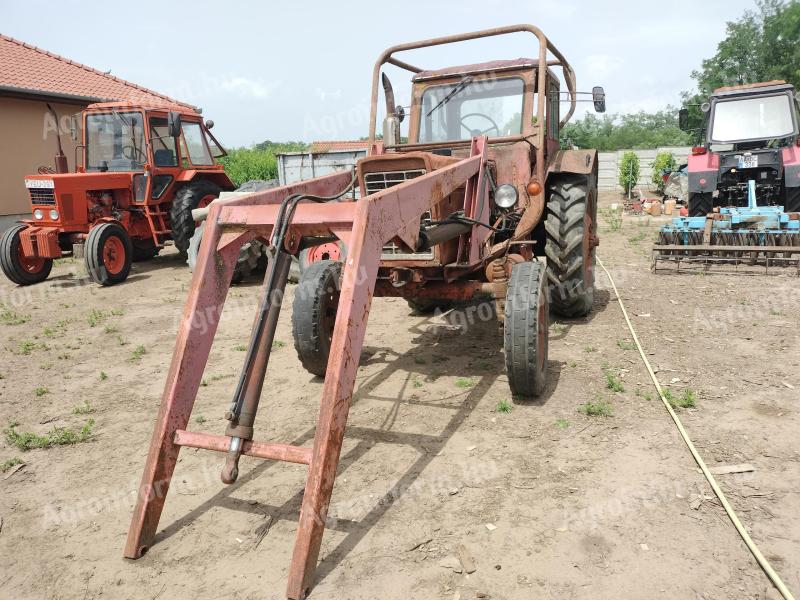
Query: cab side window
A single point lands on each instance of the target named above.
(164, 151)
(195, 143)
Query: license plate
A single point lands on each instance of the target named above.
(748, 161)
(39, 184)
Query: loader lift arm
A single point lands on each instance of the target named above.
(365, 226)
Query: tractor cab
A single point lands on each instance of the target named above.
(749, 134)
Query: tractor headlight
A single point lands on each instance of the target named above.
(38, 214)
(505, 196)
(54, 215)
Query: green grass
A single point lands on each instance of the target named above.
(48, 332)
(137, 354)
(41, 391)
(277, 344)
(110, 329)
(96, 317)
(103, 375)
(562, 423)
(464, 382)
(418, 360)
(687, 399)
(613, 218)
(200, 419)
(25, 347)
(9, 317)
(416, 382)
(613, 382)
(590, 349)
(637, 238)
(117, 312)
(504, 406)
(599, 408)
(58, 436)
(240, 348)
(626, 345)
(11, 462)
(83, 409)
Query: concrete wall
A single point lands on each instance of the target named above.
(608, 176)
(28, 141)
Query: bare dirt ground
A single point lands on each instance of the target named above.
(549, 502)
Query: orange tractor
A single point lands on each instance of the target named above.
(144, 169)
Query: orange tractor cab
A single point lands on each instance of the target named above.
(143, 169)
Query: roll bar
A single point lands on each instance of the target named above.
(545, 46)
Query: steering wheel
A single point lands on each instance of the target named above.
(474, 132)
(133, 153)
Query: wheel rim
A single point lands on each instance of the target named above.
(205, 201)
(113, 255)
(30, 264)
(329, 251)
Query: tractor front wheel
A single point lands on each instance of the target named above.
(525, 330)
(316, 301)
(108, 254)
(196, 194)
(19, 268)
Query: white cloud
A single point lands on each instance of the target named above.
(246, 87)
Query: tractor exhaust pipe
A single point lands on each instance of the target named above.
(60, 158)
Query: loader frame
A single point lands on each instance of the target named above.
(365, 225)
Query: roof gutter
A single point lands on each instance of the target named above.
(33, 94)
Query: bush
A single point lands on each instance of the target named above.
(664, 162)
(628, 171)
(258, 162)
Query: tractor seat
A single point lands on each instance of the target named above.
(164, 157)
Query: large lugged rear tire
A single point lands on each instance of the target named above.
(571, 228)
(525, 330)
(17, 267)
(316, 300)
(791, 199)
(108, 254)
(252, 255)
(196, 194)
(700, 204)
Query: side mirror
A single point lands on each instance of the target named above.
(209, 123)
(683, 119)
(174, 123)
(599, 99)
(73, 128)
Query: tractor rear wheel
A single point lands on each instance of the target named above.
(144, 249)
(108, 254)
(196, 194)
(316, 301)
(252, 255)
(525, 330)
(700, 204)
(571, 229)
(18, 268)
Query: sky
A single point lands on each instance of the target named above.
(302, 70)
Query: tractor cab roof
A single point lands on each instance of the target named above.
(108, 106)
(748, 89)
(494, 66)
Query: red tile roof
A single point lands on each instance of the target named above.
(28, 69)
(334, 146)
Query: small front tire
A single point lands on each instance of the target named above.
(316, 301)
(18, 268)
(108, 254)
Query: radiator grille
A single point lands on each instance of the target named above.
(42, 196)
(375, 182)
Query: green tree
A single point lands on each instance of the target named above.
(761, 45)
(619, 132)
(664, 162)
(628, 171)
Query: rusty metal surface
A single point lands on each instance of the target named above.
(220, 443)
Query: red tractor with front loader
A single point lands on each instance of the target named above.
(144, 169)
(479, 202)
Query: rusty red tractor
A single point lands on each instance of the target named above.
(144, 168)
(480, 201)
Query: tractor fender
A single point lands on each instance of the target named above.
(578, 162)
(791, 166)
(219, 177)
(703, 172)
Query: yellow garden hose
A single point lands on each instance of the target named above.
(762, 561)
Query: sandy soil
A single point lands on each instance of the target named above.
(548, 502)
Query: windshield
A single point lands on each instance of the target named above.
(759, 118)
(460, 111)
(115, 142)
